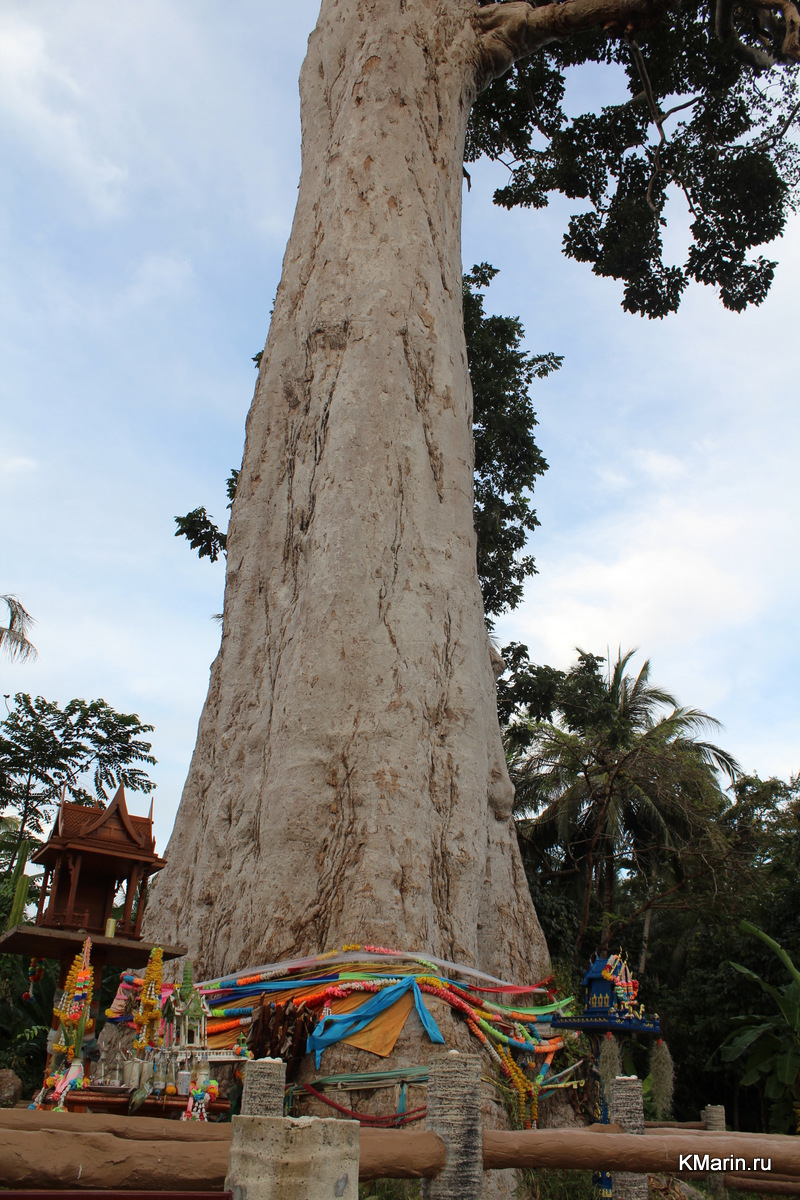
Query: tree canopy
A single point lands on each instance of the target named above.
(706, 123)
(619, 784)
(199, 529)
(86, 748)
(690, 868)
(699, 933)
(771, 1042)
(507, 458)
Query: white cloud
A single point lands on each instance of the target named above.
(613, 479)
(661, 468)
(158, 277)
(19, 464)
(666, 568)
(46, 107)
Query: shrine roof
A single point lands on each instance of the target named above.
(110, 830)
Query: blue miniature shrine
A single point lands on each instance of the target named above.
(610, 1002)
(609, 1008)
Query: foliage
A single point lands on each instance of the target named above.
(86, 749)
(507, 459)
(613, 785)
(389, 1189)
(199, 529)
(202, 534)
(695, 932)
(9, 881)
(772, 1043)
(14, 640)
(698, 123)
(18, 887)
(24, 1025)
(555, 1185)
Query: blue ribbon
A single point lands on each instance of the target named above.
(341, 1025)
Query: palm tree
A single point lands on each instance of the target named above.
(14, 636)
(615, 783)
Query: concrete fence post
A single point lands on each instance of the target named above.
(626, 1108)
(286, 1158)
(454, 1112)
(264, 1087)
(714, 1117)
(293, 1158)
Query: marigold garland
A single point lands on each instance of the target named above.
(35, 974)
(75, 1003)
(148, 1017)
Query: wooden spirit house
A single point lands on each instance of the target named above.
(89, 853)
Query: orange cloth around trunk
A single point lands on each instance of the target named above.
(378, 1037)
(381, 1034)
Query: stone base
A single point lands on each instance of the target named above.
(293, 1158)
(10, 1089)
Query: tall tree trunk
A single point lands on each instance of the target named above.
(586, 905)
(348, 783)
(607, 897)
(648, 920)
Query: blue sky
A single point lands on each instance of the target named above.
(150, 155)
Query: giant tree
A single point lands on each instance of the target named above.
(348, 782)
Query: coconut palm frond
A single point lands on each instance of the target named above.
(14, 638)
(721, 760)
(623, 780)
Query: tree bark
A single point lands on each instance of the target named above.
(648, 918)
(607, 898)
(348, 783)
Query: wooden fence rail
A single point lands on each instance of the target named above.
(100, 1153)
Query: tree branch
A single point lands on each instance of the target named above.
(723, 25)
(508, 32)
(788, 10)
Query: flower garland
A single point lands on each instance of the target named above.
(512, 1036)
(35, 973)
(148, 1018)
(73, 1008)
(626, 988)
(199, 1098)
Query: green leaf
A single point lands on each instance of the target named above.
(507, 459)
(752, 1076)
(779, 997)
(202, 534)
(737, 1045)
(690, 123)
(788, 1067)
(776, 948)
